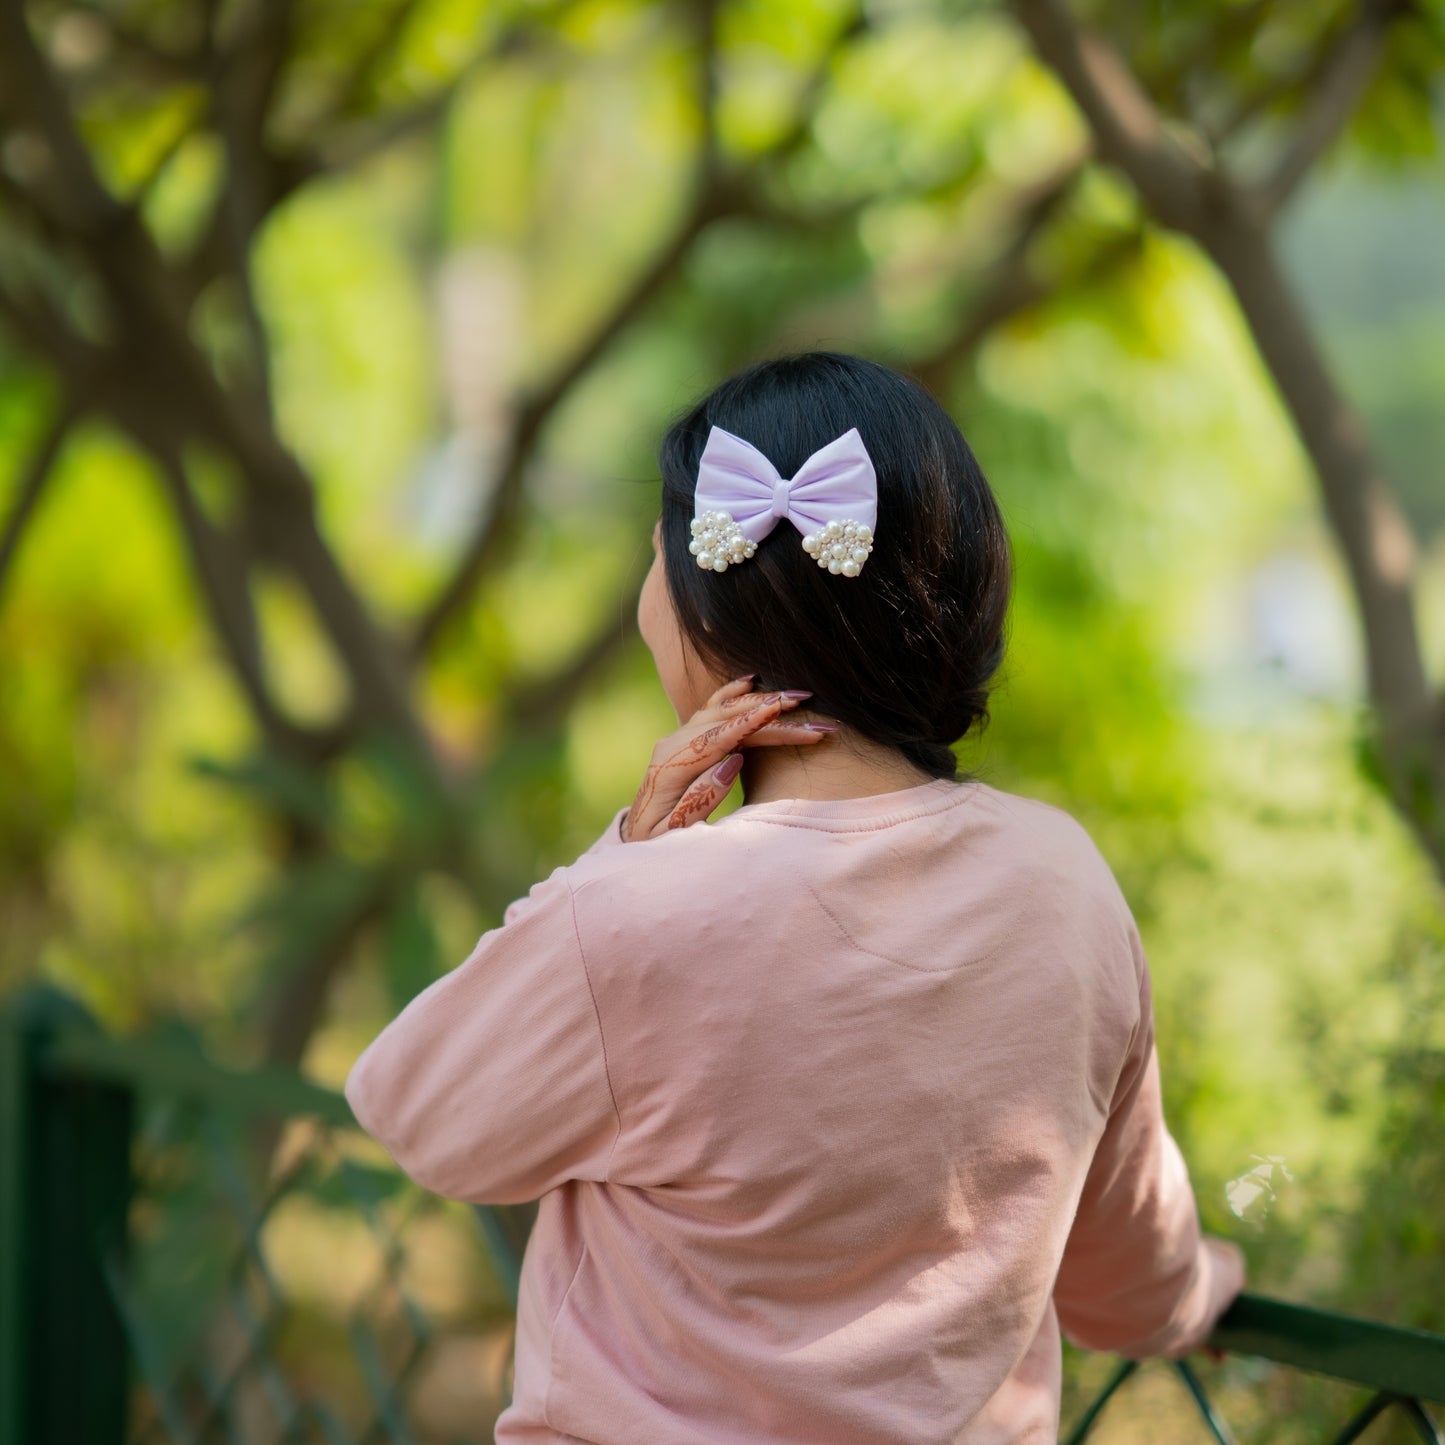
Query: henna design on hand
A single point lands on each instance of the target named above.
(690, 810)
(750, 719)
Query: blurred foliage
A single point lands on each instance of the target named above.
(148, 829)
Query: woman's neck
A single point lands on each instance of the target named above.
(842, 765)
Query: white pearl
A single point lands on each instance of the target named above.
(838, 550)
(694, 546)
(849, 568)
(835, 566)
(849, 528)
(860, 555)
(833, 529)
(719, 541)
(865, 534)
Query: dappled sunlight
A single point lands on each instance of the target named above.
(1254, 1191)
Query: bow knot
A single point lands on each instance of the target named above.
(832, 499)
(781, 488)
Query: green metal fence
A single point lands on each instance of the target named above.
(142, 1189)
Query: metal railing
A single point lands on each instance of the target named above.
(141, 1186)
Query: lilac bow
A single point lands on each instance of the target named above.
(832, 499)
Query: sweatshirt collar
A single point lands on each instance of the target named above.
(871, 811)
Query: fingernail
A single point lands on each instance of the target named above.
(820, 727)
(748, 677)
(796, 692)
(728, 769)
(772, 697)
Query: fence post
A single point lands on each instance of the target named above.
(65, 1187)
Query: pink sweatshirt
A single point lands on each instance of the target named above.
(839, 1112)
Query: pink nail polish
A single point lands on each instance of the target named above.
(820, 727)
(728, 769)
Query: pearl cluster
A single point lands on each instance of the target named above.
(718, 540)
(840, 546)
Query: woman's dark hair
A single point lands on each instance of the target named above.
(905, 651)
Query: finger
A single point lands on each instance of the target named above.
(735, 688)
(793, 697)
(650, 813)
(741, 702)
(704, 795)
(671, 772)
(786, 731)
(714, 740)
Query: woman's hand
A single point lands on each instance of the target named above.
(684, 782)
(1233, 1273)
(1227, 1280)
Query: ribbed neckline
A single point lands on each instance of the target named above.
(873, 811)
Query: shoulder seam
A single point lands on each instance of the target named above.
(601, 1033)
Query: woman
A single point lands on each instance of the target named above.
(843, 1108)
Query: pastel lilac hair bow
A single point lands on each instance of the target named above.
(832, 500)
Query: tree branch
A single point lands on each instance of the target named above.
(487, 542)
(164, 369)
(705, 16)
(1342, 77)
(243, 83)
(1367, 520)
(39, 327)
(278, 174)
(1127, 127)
(716, 194)
(796, 136)
(37, 473)
(290, 1013)
(220, 564)
(1011, 285)
(1249, 106)
(1231, 222)
(372, 57)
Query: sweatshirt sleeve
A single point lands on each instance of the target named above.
(491, 1085)
(1136, 1278)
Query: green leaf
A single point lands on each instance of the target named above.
(285, 785)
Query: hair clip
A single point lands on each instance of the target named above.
(832, 500)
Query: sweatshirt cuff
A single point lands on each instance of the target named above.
(1194, 1316)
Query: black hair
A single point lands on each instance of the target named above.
(905, 651)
